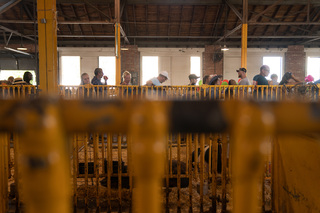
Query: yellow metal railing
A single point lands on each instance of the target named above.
(309, 92)
(205, 92)
(126, 145)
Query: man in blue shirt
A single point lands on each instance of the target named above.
(98, 74)
(260, 79)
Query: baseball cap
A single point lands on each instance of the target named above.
(165, 74)
(242, 69)
(193, 76)
(19, 81)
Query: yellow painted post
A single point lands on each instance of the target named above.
(129, 151)
(44, 160)
(244, 37)
(189, 141)
(109, 161)
(120, 172)
(3, 173)
(75, 171)
(179, 172)
(96, 168)
(17, 182)
(202, 140)
(47, 34)
(244, 34)
(224, 148)
(251, 131)
(148, 127)
(117, 41)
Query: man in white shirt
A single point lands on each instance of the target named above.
(242, 73)
(157, 81)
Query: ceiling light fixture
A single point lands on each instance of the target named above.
(224, 48)
(17, 51)
(22, 48)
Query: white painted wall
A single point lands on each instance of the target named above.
(232, 61)
(89, 57)
(176, 61)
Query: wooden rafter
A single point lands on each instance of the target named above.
(217, 19)
(88, 17)
(266, 10)
(181, 12)
(234, 9)
(191, 20)
(75, 16)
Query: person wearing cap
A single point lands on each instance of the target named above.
(19, 81)
(242, 74)
(193, 79)
(157, 81)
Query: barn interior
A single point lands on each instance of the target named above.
(124, 146)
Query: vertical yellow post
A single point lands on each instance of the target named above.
(117, 41)
(244, 34)
(251, 130)
(148, 129)
(3, 173)
(44, 161)
(47, 34)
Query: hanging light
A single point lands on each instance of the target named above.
(17, 51)
(224, 48)
(22, 48)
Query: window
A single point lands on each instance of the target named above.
(149, 68)
(5, 74)
(314, 67)
(275, 64)
(70, 70)
(195, 66)
(108, 65)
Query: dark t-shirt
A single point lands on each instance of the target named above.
(261, 80)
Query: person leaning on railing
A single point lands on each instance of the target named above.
(193, 92)
(126, 81)
(215, 81)
(98, 74)
(230, 91)
(289, 79)
(260, 80)
(83, 91)
(157, 81)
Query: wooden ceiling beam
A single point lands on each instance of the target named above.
(266, 10)
(5, 29)
(234, 9)
(5, 7)
(190, 2)
(5, 21)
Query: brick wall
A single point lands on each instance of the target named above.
(295, 61)
(130, 61)
(212, 60)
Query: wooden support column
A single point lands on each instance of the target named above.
(47, 33)
(244, 34)
(117, 41)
